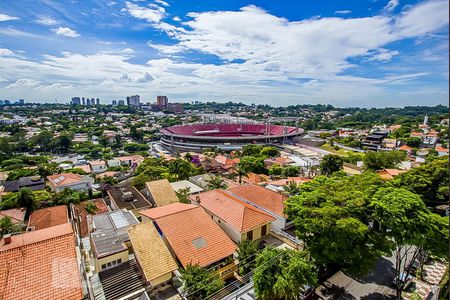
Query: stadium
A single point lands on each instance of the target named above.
(227, 137)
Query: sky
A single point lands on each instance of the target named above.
(372, 53)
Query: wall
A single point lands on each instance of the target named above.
(84, 186)
(121, 255)
(161, 279)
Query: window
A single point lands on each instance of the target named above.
(250, 235)
(264, 230)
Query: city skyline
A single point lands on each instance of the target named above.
(357, 53)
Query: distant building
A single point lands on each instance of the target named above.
(121, 102)
(59, 182)
(88, 102)
(176, 108)
(21, 101)
(114, 102)
(48, 217)
(76, 101)
(133, 101)
(83, 101)
(98, 101)
(162, 102)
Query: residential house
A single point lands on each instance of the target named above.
(48, 217)
(98, 166)
(184, 184)
(388, 174)
(85, 168)
(239, 220)
(266, 200)
(82, 219)
(151, 253)
(441, 150)
(253, 178)
(277, 185)
(34, 183)
(17, 215)
(59, 182)
(193, 237)
(128, 198)
(160, 192)
(201, 180)
(113, 162)
(131, 161)
(40, 264)
(110, 242)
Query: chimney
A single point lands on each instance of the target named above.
(7, 239)
(197, 199)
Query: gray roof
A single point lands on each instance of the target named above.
(111, 232)
(201, 180)
(193, 188)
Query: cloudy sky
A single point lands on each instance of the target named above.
(347, 53)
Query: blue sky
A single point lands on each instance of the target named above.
(347, 53)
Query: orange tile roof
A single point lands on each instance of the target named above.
(240, 215)
(405, 148)
(255, 178)
(262, 197)
(40, 264)
(107, 174)
(389, 173)
(17, 215)
(195, 237)
(166, 210)
(441, 149)
(48, 217)
(65, 179)
(85, 168)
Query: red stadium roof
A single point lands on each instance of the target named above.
(228, 130)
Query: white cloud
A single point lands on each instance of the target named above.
(6, 52)
(343, 12)
(163, 3)
(153, 15)
(423, 18)
(383, 55)
(391, 5)
(5, 17)
(46, 20)
(66, 31)
(24, 82)
(176, 19)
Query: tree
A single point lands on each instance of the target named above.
(331, 217)
(25, 198)
(64, 142)
(240, 172)
(429, 181)
(406, 222)
(182, 169)
(292, 188)
(199, 283)
(330, 164)
(183, 195)
(270, 151)
(413, 142)
(282, 274)
(7, 226)
(44, 139)
(216, 183)
(291, 171)
(251, 150)
(247, 256)
(276, 170)
(91, 208)
(253, 164)
(383, 159)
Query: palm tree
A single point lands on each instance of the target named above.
(91, 208)
(241, 172)
(216, 183)
(183, 195)
(292, 188)
(25, 198)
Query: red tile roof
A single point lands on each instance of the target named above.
(194, 237)
(166, 210)
(40, 264)
(65, 179)
(240, 215)
(17, 215)
(48, 217)
(282, 182)
(81, 214)
(255, 178)
(261, 197)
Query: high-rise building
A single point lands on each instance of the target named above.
(133, 101)
(76, 101)
(176, 108)
(92, 101)
(21, 101)
(83, 101)
(98, 101)
(121, 102)
(162, 102)
(114, 102)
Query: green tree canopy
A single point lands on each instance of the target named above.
(383, 159)
(199, 283)
(247, 256)
(330, 164)
(282, 274)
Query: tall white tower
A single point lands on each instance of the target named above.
(425, 120)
